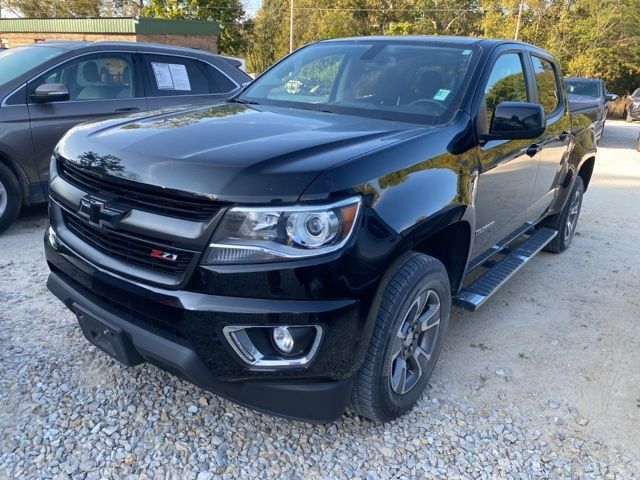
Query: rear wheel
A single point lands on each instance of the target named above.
(411, 319)
(566, 221)
(10, 197)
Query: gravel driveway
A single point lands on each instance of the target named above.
(543, 381)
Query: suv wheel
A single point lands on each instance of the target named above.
(412, 315)
(566, 221)
(10, 197)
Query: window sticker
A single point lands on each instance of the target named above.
(441, 94)
(171, 76)
(466, 52)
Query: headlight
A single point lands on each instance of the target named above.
(264, 234)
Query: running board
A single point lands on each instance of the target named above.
(477, 292)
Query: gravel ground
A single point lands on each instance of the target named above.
(542, 382)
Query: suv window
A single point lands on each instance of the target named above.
(506, 83)
(218, 81)
(171, 76)
(547, 83)
(103, 76)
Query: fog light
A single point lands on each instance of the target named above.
(283, 339)
(53, 238)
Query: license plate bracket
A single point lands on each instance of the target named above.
(109, 338)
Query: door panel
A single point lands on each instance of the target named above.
(173, 80)
(100, 86)
(507, 173)
(554, 141)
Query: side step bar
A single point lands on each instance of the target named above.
(477, 292)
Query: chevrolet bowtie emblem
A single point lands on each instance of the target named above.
(99, 213)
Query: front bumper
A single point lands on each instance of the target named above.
(181, 332)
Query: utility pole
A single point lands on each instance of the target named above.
(519, 20)
(290, 26)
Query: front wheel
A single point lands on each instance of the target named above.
(566, 221)
(411, 318)
(10, 197)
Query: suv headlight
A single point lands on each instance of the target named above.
(264, 234)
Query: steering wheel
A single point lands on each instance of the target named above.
(428, 101)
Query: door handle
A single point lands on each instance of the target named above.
(563, 135)
(127, 109)
(533, 150)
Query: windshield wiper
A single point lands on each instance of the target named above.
(242, 101)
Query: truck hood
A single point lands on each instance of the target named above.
(228, 151)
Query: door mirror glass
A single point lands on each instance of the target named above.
(51, 92)
(611, 97)
(517, 120)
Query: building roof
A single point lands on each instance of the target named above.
(123, 25)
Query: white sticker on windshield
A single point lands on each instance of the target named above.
(171, 76)
(466, 52)
(441, 94)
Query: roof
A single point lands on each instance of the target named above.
(122, 25)
(452, 40)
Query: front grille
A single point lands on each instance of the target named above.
(128, 248)
(136, 196)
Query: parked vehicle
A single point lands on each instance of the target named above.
(48, 87)
(297, 249)
(589, 96)
(632, 111)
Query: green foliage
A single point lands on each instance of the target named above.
(227, 13)
(599, 38)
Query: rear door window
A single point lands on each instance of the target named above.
(548, 84)
(173, 76)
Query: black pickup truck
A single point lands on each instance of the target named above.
(300, 246)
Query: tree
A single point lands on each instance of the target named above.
(227, 13)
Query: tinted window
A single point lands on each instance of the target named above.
(587, 88)
(506, 83)
(18, 61)
(219, 82)
(170, 76)
(390, 80)
(104, 76)
(547, 83)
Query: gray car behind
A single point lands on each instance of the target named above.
(49, 87)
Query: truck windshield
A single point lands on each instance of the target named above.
(402, 81)
(588, 88)
(18, 61)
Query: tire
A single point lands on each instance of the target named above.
(415, 289)
(10, 197)
(560, 222)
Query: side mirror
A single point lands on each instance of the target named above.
(611, 97)
(51, 92)
(517, 120)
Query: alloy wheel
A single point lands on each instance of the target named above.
(572, 218)
(415, 342)
(3, 198)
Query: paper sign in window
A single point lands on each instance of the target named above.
(171, 76)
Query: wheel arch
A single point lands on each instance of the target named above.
(446, 237)
(585, 171)
(19, 174)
